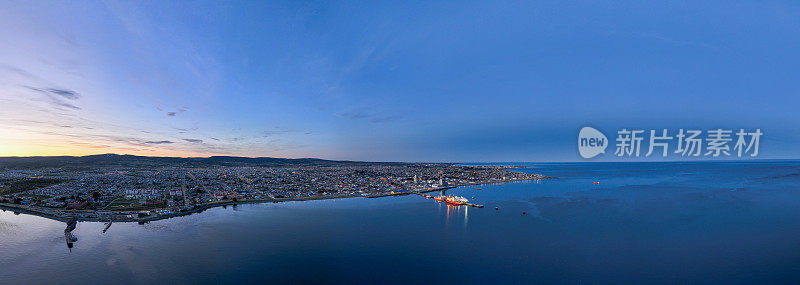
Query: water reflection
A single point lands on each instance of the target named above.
(455, 212)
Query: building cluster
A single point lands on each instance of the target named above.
(175, 189)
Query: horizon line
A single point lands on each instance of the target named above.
(388, 161)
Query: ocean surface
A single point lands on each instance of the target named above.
(699, 222)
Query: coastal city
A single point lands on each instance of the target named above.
(152, 191)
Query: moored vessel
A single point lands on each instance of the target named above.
(452, 200)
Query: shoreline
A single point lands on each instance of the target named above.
(54, 214)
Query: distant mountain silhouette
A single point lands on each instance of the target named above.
(116, 160)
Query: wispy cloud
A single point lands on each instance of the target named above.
(158, 142)
(193, 140)
(173, 113)
(358, 114)
(69, 94)
(55, 96)
(275, 132)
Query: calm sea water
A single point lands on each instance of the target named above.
(702, 222)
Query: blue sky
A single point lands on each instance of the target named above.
(398, 81)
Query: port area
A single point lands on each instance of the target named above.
(468, 185)
(132, 216)
(449, 203)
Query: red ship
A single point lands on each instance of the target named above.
(452, 200)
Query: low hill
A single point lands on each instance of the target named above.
(115, 160)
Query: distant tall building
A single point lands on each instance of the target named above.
(415, 179)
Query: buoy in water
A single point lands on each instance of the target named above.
(523, 213)
(496, 208)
